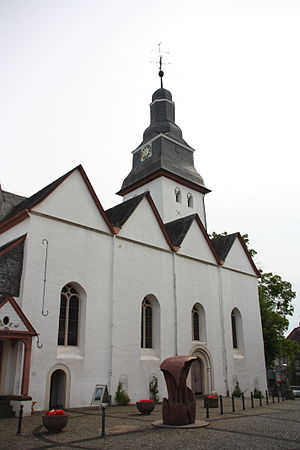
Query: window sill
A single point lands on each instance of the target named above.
(149, 354)
(68, 352)
(237, 354)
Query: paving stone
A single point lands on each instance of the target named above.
(274, 426)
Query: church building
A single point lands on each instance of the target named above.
(90, 297)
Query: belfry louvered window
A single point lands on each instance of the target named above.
(68, 317)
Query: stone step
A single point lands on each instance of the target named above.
(6, 411)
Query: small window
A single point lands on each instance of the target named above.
(237, 330)
(146, 324)
(190, 201)
(68, 316)
(178, 195)
(195, 322)
(234, 334)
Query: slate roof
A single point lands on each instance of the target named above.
(170, 153)
(177, 229)
(36, 198)
(8, 201)
(294, 335)
(119, 214)
(223, 244)
(11, 265)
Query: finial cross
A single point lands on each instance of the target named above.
(160, 63)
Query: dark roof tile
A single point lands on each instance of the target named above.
(119, 214)
(177, 229)
(223, 244)
(11, 265)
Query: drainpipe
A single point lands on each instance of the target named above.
(175, 305)
(112, 281)
(224, 354)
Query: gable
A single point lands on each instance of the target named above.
(195, 245)
(12, 319)
(72, 201)
(144, 226)
(238, 259)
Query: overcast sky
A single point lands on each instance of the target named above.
(76, 82)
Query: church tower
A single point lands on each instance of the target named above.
(163, 164)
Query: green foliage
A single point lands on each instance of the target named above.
(122, 397)
(153, 388)
(237, 391)
(275, 297)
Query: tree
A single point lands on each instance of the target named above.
(275, 299)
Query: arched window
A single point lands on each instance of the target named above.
(146, 324)
(237, 330)
(178, 195)
(195, 322)
(190, 201)
(233, 327)
(198, 323)
(68, 316)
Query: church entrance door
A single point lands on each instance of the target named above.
(57, 390)
(197, 377)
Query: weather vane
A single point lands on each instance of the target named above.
(160, 63)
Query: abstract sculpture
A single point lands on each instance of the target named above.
(180, 407)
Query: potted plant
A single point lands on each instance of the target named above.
(55, 420)
(237, 390)
(153, 388)
(211, 401)
(122, 397)
(145, 406)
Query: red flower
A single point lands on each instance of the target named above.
(55, 412)
(146, 400)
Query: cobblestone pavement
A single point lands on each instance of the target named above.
(273, 426)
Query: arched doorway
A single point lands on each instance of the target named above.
(197, 377)
(58, 389)
(201, 373)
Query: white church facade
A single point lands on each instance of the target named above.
(90, 297)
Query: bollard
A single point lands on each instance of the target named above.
(228, 394)
(243, 400)
(20, 419)
(207, 408)
(232, 401)
(278, 396)
(267, 397)
(273, 399)
(103, 421)
(260, 403)
(252, 401)
(221, 404)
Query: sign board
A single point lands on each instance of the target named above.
(100, 395)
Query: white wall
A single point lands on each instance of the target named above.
(162, 191)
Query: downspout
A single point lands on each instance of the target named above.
(224, 354)
(175, 305)
(112, 282)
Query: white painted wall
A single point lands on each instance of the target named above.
(115, 273)
(162, 191)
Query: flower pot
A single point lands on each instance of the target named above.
(211, 402)
(55, 424)
(145, 407)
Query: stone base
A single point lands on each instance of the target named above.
(27, 404)
(196, 424)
